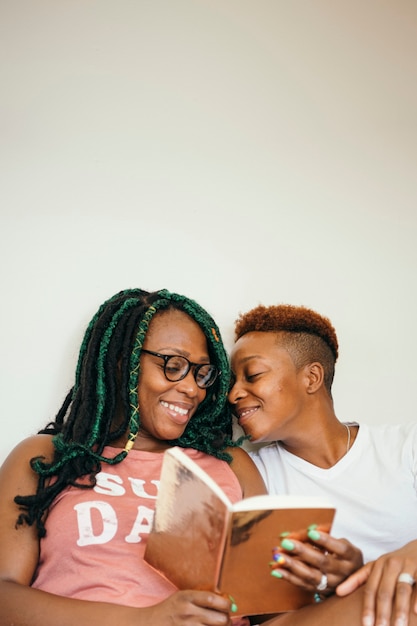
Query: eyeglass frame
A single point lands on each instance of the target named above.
(197, 367)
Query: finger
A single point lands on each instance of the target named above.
(379, 592)
(297, 535)
(342, 548)
(354, 581)
(308, 583)
(210, 600)
(304, 552)
(302, 535)
(403, 596)
(296, 571)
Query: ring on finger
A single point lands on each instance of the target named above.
(404, 577)
(322, 586)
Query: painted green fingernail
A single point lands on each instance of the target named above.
(313, 534)
(233, 606)
(276, 573)
(287, 532)
(287, 544)
(312, 527)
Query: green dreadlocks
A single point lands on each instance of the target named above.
(107, 376)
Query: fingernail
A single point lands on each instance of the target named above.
(285, 534)
(233, 606)
(368, 620)
(278, 559)
(276, 573)
(287, 544)
(313, 534)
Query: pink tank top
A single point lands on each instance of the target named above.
(95, 538)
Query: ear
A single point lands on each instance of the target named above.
(314, 374)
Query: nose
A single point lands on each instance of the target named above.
(235, 393)
(188, 385)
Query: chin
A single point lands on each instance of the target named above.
(259, 438)
(171, 435)
(253, 437)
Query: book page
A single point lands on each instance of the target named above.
(190, 524)
(246, 573)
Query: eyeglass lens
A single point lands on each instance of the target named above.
(177, 367)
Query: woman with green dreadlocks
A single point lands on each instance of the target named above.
(77, 500)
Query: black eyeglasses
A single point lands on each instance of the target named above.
(176, 368)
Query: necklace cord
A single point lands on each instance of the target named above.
(348, 437)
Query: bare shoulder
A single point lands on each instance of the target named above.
(16, 466)
(36, 445)
(239, 455)
(246, 471)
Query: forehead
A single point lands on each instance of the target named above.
(172, 327)
(258, 344)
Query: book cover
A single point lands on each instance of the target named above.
(200, 540)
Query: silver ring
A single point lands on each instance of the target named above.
(322, 586)
(406, 578)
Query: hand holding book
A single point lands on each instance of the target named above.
(315, 561)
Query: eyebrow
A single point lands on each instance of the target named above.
(250, 357)
(178, 352)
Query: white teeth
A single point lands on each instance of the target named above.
(174, 407)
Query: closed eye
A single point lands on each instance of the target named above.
(251, 377)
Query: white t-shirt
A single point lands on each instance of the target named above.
(373, 487)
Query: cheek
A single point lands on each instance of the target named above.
(147, 394)
(202, 393)
(278, 397)
(272, 392)
(284, 386)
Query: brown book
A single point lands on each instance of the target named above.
(200, 540)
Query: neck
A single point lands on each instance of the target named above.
(322, 444)
(144, 442)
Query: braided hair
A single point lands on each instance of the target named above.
(107, 377)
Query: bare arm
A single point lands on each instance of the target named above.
(21, 605)
(24, 606)
(247, 473)
(335, 611)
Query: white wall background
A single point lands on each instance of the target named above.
(239, 151)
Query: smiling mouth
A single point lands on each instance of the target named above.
(175, 407)
(244, 413)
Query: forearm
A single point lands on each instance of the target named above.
(334, 611)
(24, 606)
(346, 611)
